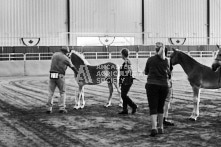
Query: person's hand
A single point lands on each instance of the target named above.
(74, 69)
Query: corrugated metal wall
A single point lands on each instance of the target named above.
(48, 19)
(103, 17)
(215, 21)
(176, 18)
(33, 18)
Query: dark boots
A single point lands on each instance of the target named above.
(134, 109)
(125, 111)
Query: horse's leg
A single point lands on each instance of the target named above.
(82, 95)
(110, 86)
(196, 101)
(119, 94)
(76, 100)
(77, 105)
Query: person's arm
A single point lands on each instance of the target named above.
(146, 70)
(120, 77)
(73, 67)
(69, 64)
(171, 66)
(127, 68)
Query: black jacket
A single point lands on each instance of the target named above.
(126, 77)
(158, 71)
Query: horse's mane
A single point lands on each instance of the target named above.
(81, 56)
(189, 57)
(192, 61)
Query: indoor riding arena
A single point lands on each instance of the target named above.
(32, 31)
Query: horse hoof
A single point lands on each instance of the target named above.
(192, 119)
(121, 105)
(106, 106)
(76, 107)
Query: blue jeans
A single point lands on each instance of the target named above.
(60, 83)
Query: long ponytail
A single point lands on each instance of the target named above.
(161, 52)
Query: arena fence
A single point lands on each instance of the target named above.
(96, 55)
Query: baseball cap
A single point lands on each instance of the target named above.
(65, 49)
(159, 44)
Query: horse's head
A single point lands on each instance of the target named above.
(217, 60)
(174, 57)
(218, 54)
(77, 59)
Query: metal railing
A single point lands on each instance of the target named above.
(96, 55)
(27, 56)
(201, 53)
(38, 56)
(142, 54)
(11, 56)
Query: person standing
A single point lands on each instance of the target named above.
(167, 122)
(59, 63)
(157, 87)
(126, 81)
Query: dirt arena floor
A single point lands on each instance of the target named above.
(23, 120)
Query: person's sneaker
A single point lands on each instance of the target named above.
(123, 112)
(160, 131)
(153, 132)
(63, 111)
(168, 123)
(134, 110)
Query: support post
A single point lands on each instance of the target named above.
(68, 21)
(208, 22)
(143, 18)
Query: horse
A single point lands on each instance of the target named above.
(87, 74)
(217, 61)
(199, 76)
